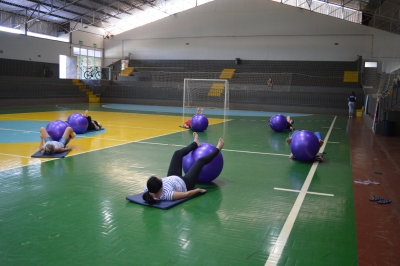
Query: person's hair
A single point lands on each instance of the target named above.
(153, 185)
(352, 93)
(49, 148)
(148, 198)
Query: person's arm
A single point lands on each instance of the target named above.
(41, 144)
(58, 149)
(182, 195)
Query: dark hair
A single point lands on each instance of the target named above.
(153, 185)
(352, 93)
(148, 198)
(49, 149)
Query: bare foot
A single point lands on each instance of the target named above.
(321, 142)
(291, 156)
(220, 144)
(196, 139)
(86, 113)
(288, 140)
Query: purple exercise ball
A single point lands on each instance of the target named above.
(304, 145)
(211, 170)
(278, 123)
(199, 123)
(78, 122)
(56, 129)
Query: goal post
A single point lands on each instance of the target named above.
(204, 93)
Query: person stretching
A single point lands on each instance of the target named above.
(175, 186)
(49, 146)
(188, 124)
(319, 156)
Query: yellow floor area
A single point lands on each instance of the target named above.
(120, 128)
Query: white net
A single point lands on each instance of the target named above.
(206, 94)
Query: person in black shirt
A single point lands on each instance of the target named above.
(352, 103)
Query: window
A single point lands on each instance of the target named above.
(371, 64)
(88, 59)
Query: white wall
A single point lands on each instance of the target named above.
(27, 48)
(88, 36)
(22, 47)
(252, 30)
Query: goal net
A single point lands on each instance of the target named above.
(210, 94)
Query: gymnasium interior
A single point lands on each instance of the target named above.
(141, 69)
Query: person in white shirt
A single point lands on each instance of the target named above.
(175, 186)
(49, 146)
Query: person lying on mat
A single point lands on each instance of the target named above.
(175, 186)
(92, 124)
(49, 146)
(319, 156)
(187, 124)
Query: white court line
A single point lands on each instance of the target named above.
(308, 192)
(78, 153)
(13, 155)
(322, 194)
(150, 128)
(280, 243)
(117, 145)
(286, 189)
(333, 142)
(332, 128)
(251, 152)
(10, 129)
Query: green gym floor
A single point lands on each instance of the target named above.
(264, 209)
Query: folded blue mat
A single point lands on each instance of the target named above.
(54, 155)
(161, 204)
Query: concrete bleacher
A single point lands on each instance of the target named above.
(303, 73)
(296, 83)
(17, 90)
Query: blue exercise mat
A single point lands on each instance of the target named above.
(54, 155)
(161, 204)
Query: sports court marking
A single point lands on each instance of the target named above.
(332, 128)
(13, 155)
(250, 152)
(280, 243)
(10, 129)
(308, 192)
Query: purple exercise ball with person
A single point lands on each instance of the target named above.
(199, 123)
(304, 145)
(78, 122)
(56, 129)
(211, 170)
(278, 123)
